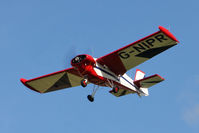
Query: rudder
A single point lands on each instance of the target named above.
(139, 75)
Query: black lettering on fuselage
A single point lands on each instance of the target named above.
(124, 55)
(139, 48)
(160, 38)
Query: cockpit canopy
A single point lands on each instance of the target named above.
(82, 60)
(78, 59)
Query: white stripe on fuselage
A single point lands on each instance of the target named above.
(124, 80)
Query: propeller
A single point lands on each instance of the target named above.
(70, 54)
(89, 51)
(74, 51)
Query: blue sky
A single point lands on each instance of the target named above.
(38, 37)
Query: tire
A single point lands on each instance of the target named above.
(83, 83)
(115, 89)
(90, 98)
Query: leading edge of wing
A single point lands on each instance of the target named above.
(168, 33)
(161, 28)
(24, 81)
(112, 58)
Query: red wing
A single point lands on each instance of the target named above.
(136, 53)
(55, 81)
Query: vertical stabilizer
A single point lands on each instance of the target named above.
(139, 75)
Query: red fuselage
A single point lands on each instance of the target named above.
(84, 64)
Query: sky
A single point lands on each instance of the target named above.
(38, 37)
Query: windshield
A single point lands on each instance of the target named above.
(78, 59)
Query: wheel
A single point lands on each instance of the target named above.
(84, 83)
(90, 98)
(115, 89)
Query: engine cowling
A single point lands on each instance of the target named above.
(84, 64)
(83, 59)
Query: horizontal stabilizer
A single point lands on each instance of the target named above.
(148, 81)
(121, 92)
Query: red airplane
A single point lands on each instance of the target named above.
(109, 70)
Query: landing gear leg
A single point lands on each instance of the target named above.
(110, 84)
(91, 97)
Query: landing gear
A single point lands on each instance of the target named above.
(84, 82)
(115, 89)
(90, 98)
(110, 84)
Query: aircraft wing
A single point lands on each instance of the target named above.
(55, 81)
(138, 52)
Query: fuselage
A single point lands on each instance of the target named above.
(101, 75)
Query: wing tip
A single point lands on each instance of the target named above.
(160, 77)
(168, 33)
(23, 81)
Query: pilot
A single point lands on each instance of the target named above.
(77, 59)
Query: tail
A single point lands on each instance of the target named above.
(143, 83)
(139, 75)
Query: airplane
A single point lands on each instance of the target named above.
(109, 70)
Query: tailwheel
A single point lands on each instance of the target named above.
(115, 89)
(90, 98)
(84, 82)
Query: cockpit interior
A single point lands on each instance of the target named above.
(78, 58)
